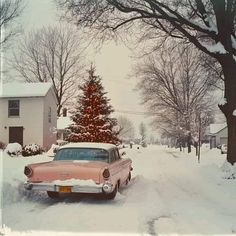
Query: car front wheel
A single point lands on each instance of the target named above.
(112, 195)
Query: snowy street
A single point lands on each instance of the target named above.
(170, 192)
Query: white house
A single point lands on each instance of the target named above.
(218, 134)
(28, 114)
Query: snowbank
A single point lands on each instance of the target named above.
(13, 176)
(229, 171)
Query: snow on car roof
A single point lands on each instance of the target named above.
(105, 146)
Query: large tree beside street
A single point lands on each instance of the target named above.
(209, 25)
(92, 120)
(177, 89)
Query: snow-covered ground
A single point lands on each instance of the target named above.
(170, 193)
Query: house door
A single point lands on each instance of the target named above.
(213, 142)
(16, 135)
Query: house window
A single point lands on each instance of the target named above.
(49, 114)
(14, 108)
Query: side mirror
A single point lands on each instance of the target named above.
(55, 150)
(123, 153)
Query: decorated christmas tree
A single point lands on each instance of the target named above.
(92, 121)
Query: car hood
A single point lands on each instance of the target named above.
(64, 170)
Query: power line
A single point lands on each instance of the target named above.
(135, 112)
(119, 81)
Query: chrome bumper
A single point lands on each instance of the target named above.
(101, 188)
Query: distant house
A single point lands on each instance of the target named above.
(62, 124)
(218, 134)
(28, 114)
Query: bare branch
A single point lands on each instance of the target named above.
(10, 10)
(51, 55)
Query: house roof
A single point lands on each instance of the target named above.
(16, 89)
(215, 128)
(63, 122)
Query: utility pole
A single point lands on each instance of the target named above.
(199, 138)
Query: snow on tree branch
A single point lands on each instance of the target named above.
(214, 48)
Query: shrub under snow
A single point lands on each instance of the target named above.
(13, 149)
(229, 170)
(31, 149)
(2, 145)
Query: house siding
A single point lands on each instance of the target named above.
(30, 118)
(49, 128)
(221, 137)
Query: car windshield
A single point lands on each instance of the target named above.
(82, 154)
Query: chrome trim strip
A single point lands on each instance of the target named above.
(55, 188)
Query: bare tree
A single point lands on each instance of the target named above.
(143, 134)
(52, 55)
(126, 128)
(209, 25)
(173, 85)
(9, 11)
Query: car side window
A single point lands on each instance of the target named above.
(113, 156)
(117, 154)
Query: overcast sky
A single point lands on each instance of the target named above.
(113, 62)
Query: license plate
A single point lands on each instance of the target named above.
(64, 189)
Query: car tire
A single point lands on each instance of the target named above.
(128, 179)
(52, 194)
(112, 195)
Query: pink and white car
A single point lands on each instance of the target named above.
(81, 168)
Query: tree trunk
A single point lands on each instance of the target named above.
(229, 70)
(180, 148)
(231, 152)
(59, 110)
(196, 147)
(189, 142)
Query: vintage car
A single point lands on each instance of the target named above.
(81, 168)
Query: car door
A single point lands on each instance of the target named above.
(119, 166)
(124, 165)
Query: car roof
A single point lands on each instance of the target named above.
(106, 146)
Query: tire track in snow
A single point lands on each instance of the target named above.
(153, 208)
(151, 224)
(157, 209)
